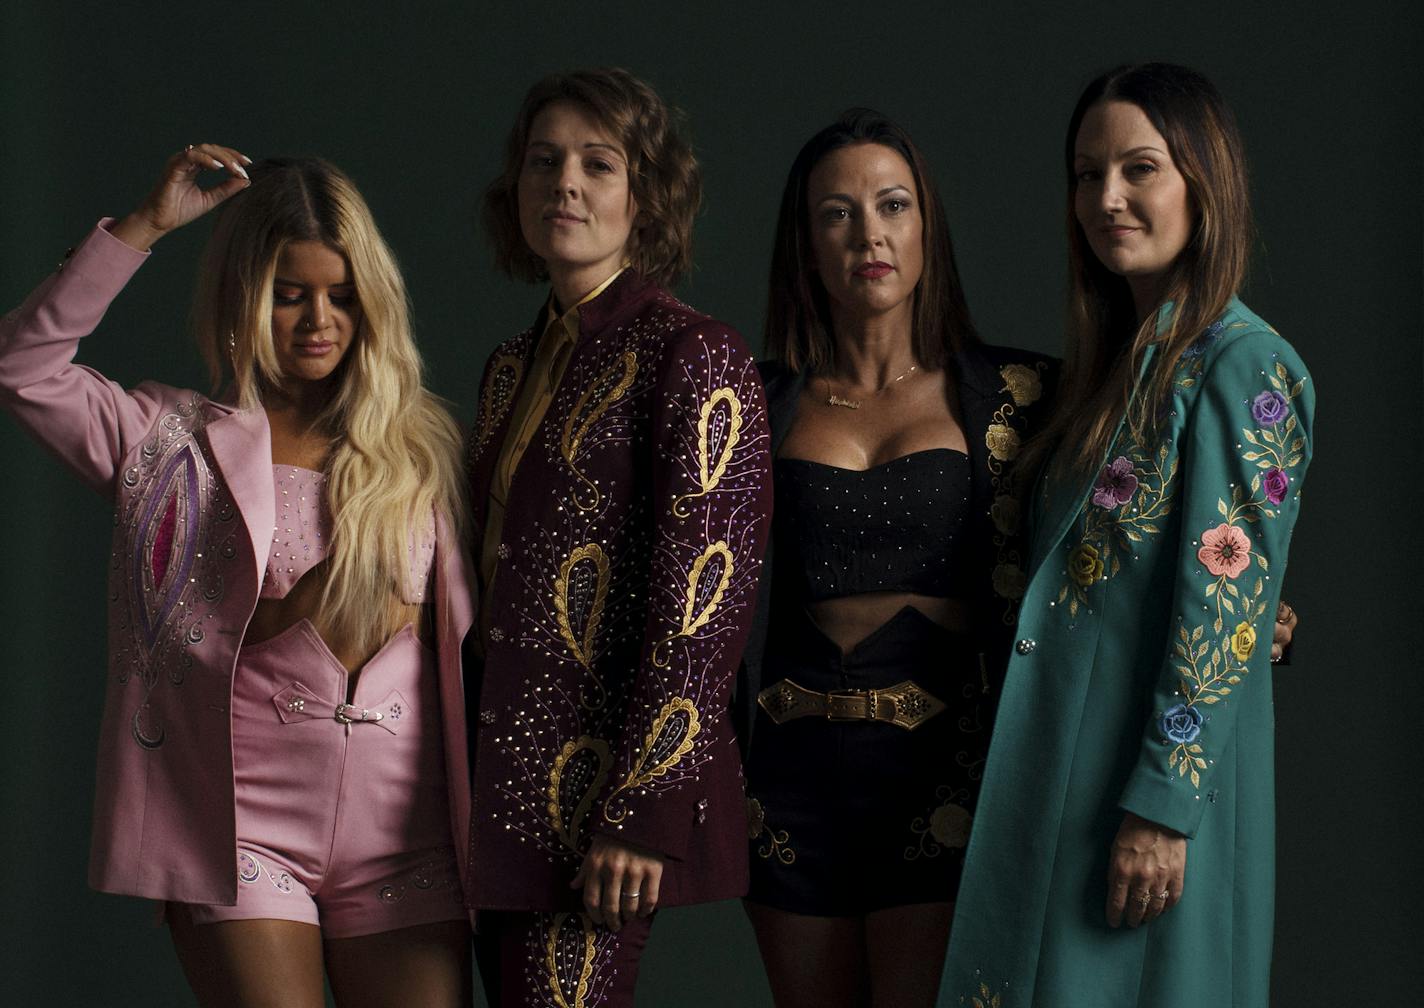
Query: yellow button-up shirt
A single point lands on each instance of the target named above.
(546, 371)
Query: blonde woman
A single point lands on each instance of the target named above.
(282, 747)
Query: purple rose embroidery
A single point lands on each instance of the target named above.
(1181, 724)
(1116, 485)
(1270, 407)
(1276, 484)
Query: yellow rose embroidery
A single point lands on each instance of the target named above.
(1002, 442)
(1022, 383)
(949, 825)
(1005, 513)
(1085, 565)
(1243, 641)
(1010, 582)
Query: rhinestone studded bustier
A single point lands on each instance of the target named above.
(301, 536)
(898, 526)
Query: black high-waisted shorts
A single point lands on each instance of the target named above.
(848, 817)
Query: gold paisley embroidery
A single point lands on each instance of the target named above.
(718, 431)
(984, 998)
(673, 732)
(704, 593)
(1002, 442)
(580, 592)
(592, 403)
(579, 773)
(496, 397)
(568, 957)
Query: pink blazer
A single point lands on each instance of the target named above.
(191, 482)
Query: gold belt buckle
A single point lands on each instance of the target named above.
(850, 705)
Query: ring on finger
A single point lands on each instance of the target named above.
(1145, 898)
(631, 895)
(1162, 896)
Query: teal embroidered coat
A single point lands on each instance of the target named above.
(1141, 680)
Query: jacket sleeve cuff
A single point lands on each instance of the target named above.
(1166, 802)
(104, 260)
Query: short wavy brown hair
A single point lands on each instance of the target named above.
(663, 175)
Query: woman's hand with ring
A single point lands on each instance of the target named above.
(1146, 871)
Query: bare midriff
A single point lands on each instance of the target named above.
(275, 616)
(848, 620)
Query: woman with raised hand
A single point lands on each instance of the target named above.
(1123, 850)
(620, 491)
(282, 749)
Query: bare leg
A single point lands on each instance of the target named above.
(906, 946)
(427, 965)
(249, 963)
(812, 962)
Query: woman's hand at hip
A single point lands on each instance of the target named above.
(1146, 870)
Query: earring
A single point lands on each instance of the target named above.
(232, 344)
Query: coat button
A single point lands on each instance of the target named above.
(487, 717)
(1026, 646)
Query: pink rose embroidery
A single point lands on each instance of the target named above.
(1276, 484)
(1116, 484)
(1225, 550)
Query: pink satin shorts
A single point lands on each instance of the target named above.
(342, 814)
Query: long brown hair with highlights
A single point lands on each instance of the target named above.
(1106, 341)
(798, 318)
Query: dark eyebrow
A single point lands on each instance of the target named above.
(846, 197)
(588, 146)
(297, 283)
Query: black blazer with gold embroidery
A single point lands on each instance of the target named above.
(1004, 396)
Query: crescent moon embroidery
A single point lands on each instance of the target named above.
(719, 428)
(705, 589)
(592, 403)
(673, 732)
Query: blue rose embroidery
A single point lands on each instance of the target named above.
(1181, 724)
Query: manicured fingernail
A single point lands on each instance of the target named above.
(239, 169)
(246, 159)
(217, 163)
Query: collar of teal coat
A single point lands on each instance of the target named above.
(1054, 514)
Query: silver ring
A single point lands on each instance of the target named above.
(1145, 898)
(631, 895)
(1163, 895)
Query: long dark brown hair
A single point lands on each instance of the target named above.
(1106, 342)
(798, 316)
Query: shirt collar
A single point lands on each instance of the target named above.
(570, 318)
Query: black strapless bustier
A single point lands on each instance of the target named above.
(897, 526)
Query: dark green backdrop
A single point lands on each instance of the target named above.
(414, 100)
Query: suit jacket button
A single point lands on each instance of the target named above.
(1026, 646)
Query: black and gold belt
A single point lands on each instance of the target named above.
(905, 705)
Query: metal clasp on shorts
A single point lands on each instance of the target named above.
(349, 714)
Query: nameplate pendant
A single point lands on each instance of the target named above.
(836, 400)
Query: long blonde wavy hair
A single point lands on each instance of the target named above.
(1106, 342)
(395, 450)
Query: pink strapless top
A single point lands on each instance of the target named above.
(302, 534)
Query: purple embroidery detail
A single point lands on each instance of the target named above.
(163, 542)
(1276, 484)
(1270, 407)
(157, 593)
(1116, 485)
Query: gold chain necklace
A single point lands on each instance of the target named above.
(834, 400)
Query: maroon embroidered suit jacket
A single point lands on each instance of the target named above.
(622, 596)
